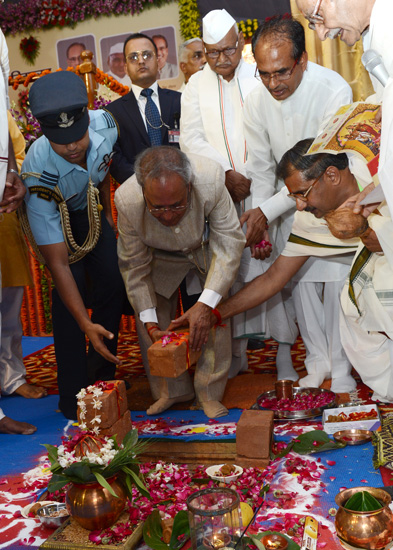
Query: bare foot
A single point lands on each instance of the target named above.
(30, 392)
(164, 403)
(10, 426)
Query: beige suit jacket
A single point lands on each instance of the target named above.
(154, 258)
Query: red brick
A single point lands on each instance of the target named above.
(171, 360)
(120, 428)
(114, 405)
(254, 434)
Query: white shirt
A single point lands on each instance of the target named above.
(141, 99)
(272, 127)
(4, 105)
(201, 123)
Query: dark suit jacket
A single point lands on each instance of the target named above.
(133, 137)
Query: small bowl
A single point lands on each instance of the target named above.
(274, 542)
(353, 437)
(214, 471)
(45, 515)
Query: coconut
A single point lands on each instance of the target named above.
(344, 224)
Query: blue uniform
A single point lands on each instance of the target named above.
(72, 179)
(97, 275)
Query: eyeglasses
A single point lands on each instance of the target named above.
(163, 209)
(302, 195)
(214, 54)
(284, 74)
(146, 55)
(315, 18)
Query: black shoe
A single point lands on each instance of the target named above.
(255, 344)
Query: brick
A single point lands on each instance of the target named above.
(254, 434)
(120, 428)
(114, 405)
(171, 360)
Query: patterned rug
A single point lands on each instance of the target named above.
(42, 370)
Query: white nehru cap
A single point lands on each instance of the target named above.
(216, 24)
(116, 48)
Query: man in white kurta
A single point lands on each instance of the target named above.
(212, 118)
(321, 184)
(277, 114)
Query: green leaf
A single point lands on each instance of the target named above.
(181, 526)
(304, 444)
(52, 452)
(79, 472)
(102, 481)
(138, 482)
(57, 482)
(291, 544)
(131, 438)
(257, 542)
(152, 532)
(362, 501)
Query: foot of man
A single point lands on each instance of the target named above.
(165, 402)
(30, 392)
(344, 384)
(285, 370)
(10, 426)
(214, 409)
(314, 380)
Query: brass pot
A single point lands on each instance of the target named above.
(369, 530)
(92, 506)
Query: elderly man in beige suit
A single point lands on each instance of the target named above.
(175, 217)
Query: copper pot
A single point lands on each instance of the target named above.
(369, 530)
(92, 506)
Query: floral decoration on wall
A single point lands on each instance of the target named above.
(29, 49)
(248, 27)
(27, 15)
(189, 17)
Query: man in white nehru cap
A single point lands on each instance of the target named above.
(117, 64)
(212, 118)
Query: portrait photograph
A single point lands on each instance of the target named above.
(69, 50)
(165, 41)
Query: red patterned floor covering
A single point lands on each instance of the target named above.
(41, 366)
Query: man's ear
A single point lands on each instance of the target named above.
(241, 40)
(182, 66)
(333, 175)
(303, 61)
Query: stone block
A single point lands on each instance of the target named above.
(174, 358)
(254, 434)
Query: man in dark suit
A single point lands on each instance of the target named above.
(148, 115)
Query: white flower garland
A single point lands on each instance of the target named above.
(103, 457)
(97, 392)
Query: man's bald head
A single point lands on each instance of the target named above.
(347, 19)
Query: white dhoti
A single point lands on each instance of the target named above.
(12, 369)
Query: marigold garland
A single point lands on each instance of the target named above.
(248, 27)
(189, 17)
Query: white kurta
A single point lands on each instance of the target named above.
(379, 37)
(211, 122)
(366, 325)
(271, 128)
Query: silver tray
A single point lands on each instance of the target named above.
(298, 415)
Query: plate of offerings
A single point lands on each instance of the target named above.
(305, 403)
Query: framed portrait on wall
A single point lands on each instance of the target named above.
(113, 61)
(165, 41)
(69, 50)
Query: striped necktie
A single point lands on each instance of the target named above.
(153, 119)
